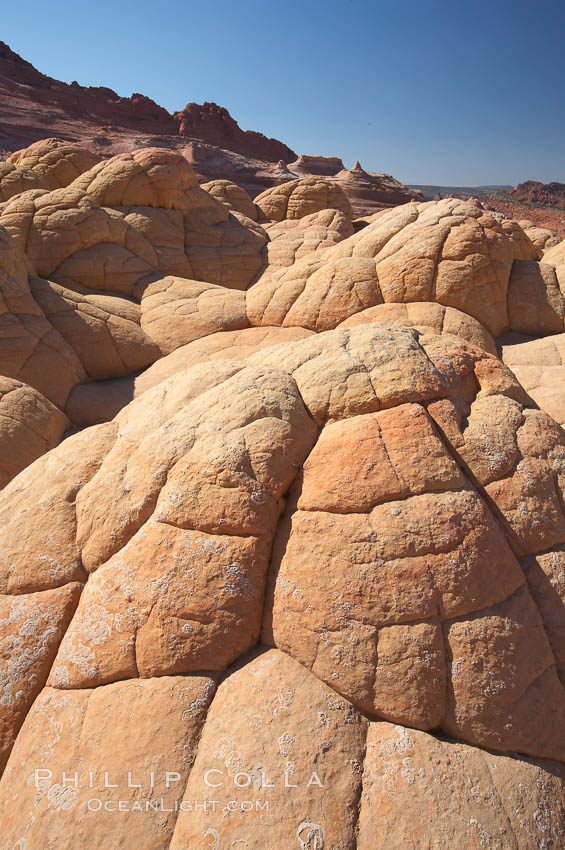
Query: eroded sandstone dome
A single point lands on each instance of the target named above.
(274, 511)
(56, 162)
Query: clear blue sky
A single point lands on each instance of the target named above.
(456, 93)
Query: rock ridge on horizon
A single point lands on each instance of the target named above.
(98, 105)
(34, 106)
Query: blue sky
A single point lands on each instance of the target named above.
(454, 93)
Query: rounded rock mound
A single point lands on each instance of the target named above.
(16, 179)
(301, 197)
(312, 537)
(448, 252)
(232, 195)
(393, 460)
(129, 217)
(58, 163)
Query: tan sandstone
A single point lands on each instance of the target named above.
(448, 252)
(298, 198)
(57, 162)
(232, 195)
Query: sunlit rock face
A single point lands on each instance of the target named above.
(282, 530)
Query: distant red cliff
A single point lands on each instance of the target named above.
(208, 122)
(540, 194)
(34, 106)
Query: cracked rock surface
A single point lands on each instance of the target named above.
(282, 518)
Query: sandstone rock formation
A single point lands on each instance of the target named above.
(366, 191)
(31, 350)
(539, 365)
(322, 166)
(233, 196)
(534, 192)
(282, 537)
(504, 802)
(445, 251)
(34, 106)
(85, 717)
(536, 303)
(291, 239)
(16, 179)
(30, 425)
(175, 311)
(523, 247)
(57, 163)
(33, 102)
(550, 220)
(370, 191)
(212, 123)
(100, 401)
(427, 317)
(540, 236)
(128, 217)
(104, 330)
(302, 197)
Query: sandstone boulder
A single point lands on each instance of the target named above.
(16, 179)
(129, 217)
(427, 317)
(30, 425)
(56, 162)
(301, 197)
(448, 252)
(232, 196)
(539, 365)
(31, 350)
(292, 239)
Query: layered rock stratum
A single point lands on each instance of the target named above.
(282, 518)
(35, 107)
(544, 194)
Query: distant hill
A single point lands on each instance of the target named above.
(34, 106)
(430, 192)
(539, 194)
